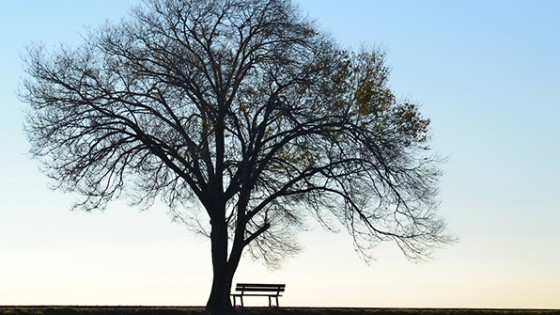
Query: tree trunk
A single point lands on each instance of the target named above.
(219, 301)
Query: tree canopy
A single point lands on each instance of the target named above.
(243, 112)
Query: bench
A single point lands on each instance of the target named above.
(258, 289)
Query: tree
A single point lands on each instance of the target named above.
(243, 111)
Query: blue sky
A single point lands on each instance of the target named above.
(485, 72)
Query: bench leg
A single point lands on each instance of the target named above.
(235, 300)
(270, 300)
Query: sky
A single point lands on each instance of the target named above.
(487, 73)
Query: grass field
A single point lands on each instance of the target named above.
(176, 310)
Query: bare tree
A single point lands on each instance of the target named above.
(243, 111)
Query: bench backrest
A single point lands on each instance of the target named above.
(260, 287)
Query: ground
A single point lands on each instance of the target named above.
(176, 310)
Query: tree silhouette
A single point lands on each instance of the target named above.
(243, 111)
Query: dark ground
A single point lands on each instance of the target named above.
(177, 310)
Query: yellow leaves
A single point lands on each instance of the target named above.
(371, 95)
(301, 89)
(411, 123)
(385, 103)
(408, 116)
(378, 128)
(364, 95)
(372, 98)
(243, 106)
(342, 75)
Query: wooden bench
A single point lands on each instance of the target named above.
(258, 289)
